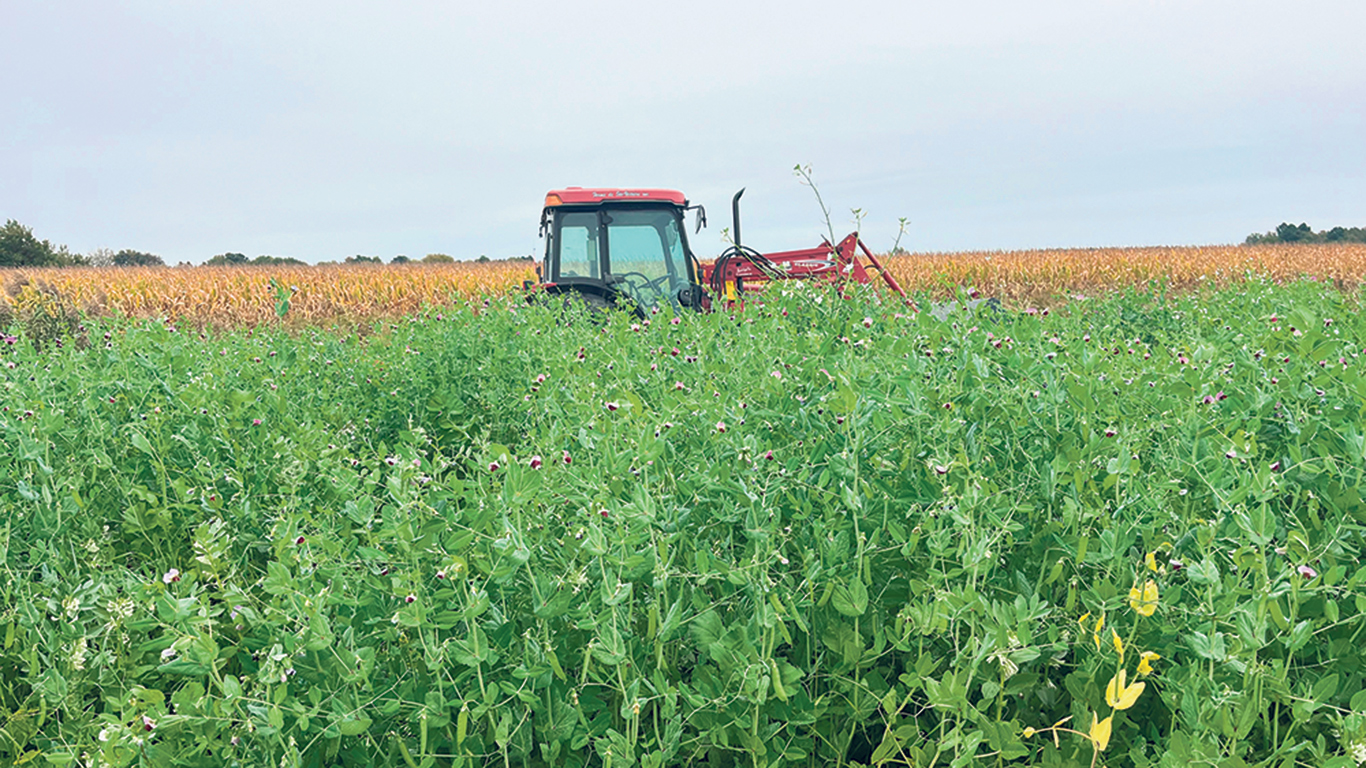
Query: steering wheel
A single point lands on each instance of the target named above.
(656, 285)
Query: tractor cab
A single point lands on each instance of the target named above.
(620, 247)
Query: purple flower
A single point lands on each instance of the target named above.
(171, 576)
(535, 462)
(1307, 572)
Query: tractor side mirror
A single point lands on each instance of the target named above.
(701, 217)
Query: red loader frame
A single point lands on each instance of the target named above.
(741, 269)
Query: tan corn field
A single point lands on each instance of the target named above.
(243, 295)
(1041, 277)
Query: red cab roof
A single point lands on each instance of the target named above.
(580, 195)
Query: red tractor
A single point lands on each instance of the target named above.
(629, 248)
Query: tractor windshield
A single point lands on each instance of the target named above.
(646, 253)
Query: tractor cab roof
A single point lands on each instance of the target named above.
(598, 195)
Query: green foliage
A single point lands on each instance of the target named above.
(227, 259)
(1291, 233)
(19, 248)
(238, 259)
(358, 259)
(400, 259)
(130, 258)
(437, 258)
(818, 532)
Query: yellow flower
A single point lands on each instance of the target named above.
(1029, 732)
(1095, 633)
(1144, 601)
(1121, 696)
(1151, 560)
(1100, 731)
(1119, 646)
(1145, 666)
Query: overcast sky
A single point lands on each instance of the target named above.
(321, 130)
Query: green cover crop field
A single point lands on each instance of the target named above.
(814, 533)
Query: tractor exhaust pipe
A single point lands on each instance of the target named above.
(735, 215)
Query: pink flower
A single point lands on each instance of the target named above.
(720, 426)
(148, 723)
(410, 599)
(493, 466)
(867, 322)
(674, 321)
(1306, 572)
(940, 469)
(769, 455)
(535, 462)
(299, 542)
(611, 406)
(170, 576)
(1110, 433)
(256, 422)
(567, 459)
(678, 385)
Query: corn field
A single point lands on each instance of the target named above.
(235, 295)
(1042, 277)
(238, 295)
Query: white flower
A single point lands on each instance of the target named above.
(168, 654)
(78, 649)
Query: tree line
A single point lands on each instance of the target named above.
(19, 247)
(1291, 233)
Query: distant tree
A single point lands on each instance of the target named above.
(1289, 233)
(277, 261)
(226, 260)
(19, 248)
(100, 257)
(1301, 233)
(359, 259)
(437, 258)
(400, 259)
(130, 258)
(483, 259)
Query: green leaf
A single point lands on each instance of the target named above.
(353, 725)
(851, 600)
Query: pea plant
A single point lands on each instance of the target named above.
(821, 531)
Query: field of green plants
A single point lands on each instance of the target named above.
(814, 533)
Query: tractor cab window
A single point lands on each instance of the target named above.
(578, 246)
(646, 253)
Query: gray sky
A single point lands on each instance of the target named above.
(325, 129)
